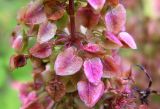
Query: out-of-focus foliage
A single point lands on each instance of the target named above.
(143, 23)
(148, 47)
(8, 12)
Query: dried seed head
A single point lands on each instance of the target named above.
(17, 61)
(56, 89)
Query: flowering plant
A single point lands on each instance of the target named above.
(73, 46)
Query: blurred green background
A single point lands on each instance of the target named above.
(8, 12)
(9, 97)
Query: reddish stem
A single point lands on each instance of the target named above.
(72, 20)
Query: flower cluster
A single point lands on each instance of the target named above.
(73, 47)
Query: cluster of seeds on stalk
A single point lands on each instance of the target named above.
(60, 38)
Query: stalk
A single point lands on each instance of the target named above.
(72, 19)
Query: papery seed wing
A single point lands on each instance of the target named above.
(33, 13)
(67, 62)
(97, 4)
(115, 19)
(89, 93)
(41, 50)
(93, 48)
(111, 37)
(87, 17)
(46, 32)
(127, 39)
(110, 67)
(93, 70)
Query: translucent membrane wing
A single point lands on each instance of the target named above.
(46, 32)
(93, 70)
(115, 19)
(97, 4)
(33, 13)
(127, 39)
(89, 93)
(41, 50)
(111, 37)
(67, 62)
(110, 67)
